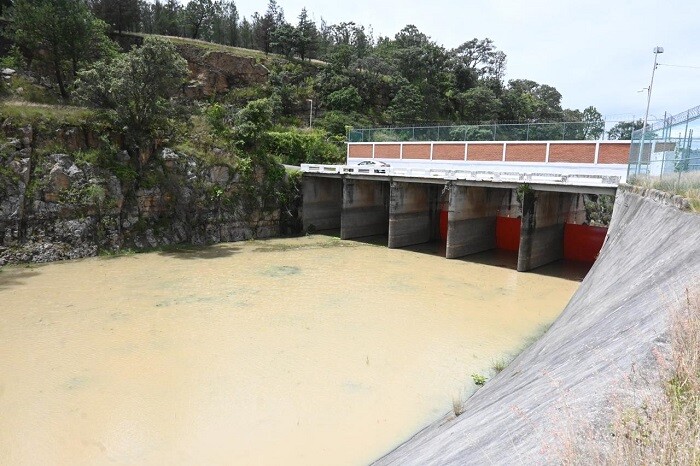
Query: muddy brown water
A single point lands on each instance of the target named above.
(288, 351)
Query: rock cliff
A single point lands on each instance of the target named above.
(216, 72)
(73, 203)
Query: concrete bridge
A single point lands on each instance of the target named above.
(475, 196)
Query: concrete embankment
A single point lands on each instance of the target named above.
(604, 349)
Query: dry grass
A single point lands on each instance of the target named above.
(660, 423)
(666, 430)
(236, 51)
(686, 185)
(34, 113)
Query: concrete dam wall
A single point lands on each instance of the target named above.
(599, 350)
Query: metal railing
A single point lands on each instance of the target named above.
(567, 131)
(667, 123)
(667, 165)
(454, 174)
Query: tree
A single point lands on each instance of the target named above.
(231, 23)
(167, 18)
(346, 99)
(307, 37)
(251, 123)
(4, 5)
(624, 129)
(477, 104)
(476, 60)
(264, 26)
(283, 39)
(247, 34)
(135, 90)
(524, 99)
(408, 106)
(63, 33)
(594, 125)
(121, 15)
(198, 15)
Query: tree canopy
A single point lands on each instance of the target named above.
(135, 89)
(61, 33)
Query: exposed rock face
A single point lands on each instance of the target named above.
(58, 207)
(216, 72)
(605, 348)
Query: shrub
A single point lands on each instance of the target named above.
(298, 146)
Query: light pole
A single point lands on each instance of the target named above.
(311, 110)
(657, 51)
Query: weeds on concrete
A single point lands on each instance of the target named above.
(666, 430)
(479, 379)
(663, 426)
(686, 185)
(457, 406)
(499, 364)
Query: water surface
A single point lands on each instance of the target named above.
(289, 351)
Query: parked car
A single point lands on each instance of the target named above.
(373, 166)
(374, 163)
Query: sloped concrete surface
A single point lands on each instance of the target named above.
(615, 325)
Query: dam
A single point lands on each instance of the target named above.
(527, 197)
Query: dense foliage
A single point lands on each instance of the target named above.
(406, 79)
(135, 89)
(331, 77)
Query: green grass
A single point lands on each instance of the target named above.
(31, 113)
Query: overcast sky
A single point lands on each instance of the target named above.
(595, 52)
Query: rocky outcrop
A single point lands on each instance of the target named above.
(604, 349)
(60, 206)
(216, 72)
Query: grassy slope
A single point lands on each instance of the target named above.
(236, 51)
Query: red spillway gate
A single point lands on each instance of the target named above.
(508, 233)
(583, 242)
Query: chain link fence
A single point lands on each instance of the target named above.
(566, 131)
(667, 151)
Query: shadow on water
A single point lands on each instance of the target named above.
(375, 240)
(566, 269)
(188, 252)
(431, 248)
(494, 258)
(334, 233)
(15, 276)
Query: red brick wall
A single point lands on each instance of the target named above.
(448, 152)
(387, 151)
(526, 152)
(485, 152)
(572, 153)
(614, 153)
(360, 151)
(416, 151)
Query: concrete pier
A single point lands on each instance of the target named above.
(472, 216)
(365, 209)
(323, 202)
(412, 214)
(542, 230)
